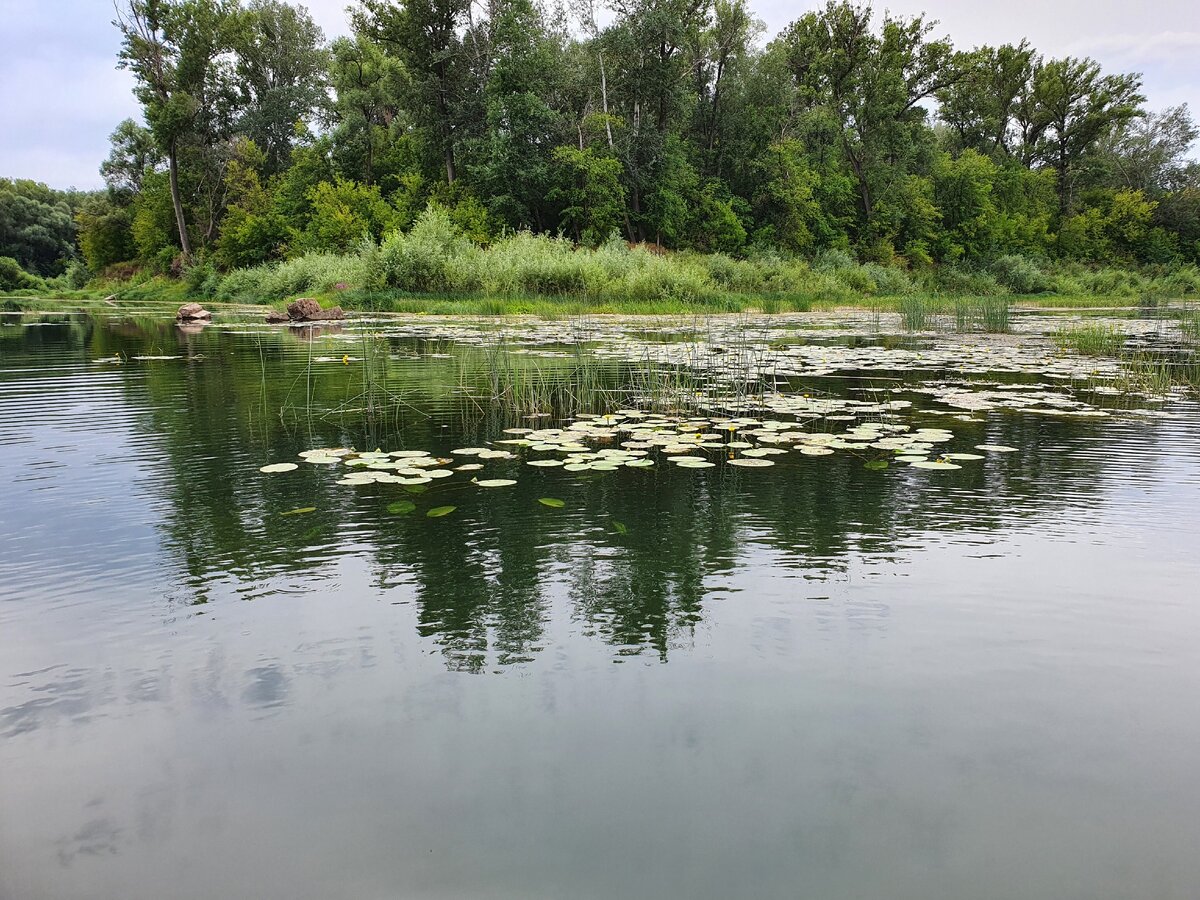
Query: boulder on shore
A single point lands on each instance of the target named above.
(192, 312)
(308, 310)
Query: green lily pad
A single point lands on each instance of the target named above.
(552, 502)
(401, 507)
(876, 464)
(438, 511)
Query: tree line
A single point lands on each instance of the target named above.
(676, 124)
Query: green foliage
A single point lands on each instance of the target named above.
(14, 278)
(1019, 274)
(439, 146)
(425, 259)
(105, 232)
(343, 213)
(588, 187)
(37, 226)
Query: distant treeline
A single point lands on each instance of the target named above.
(676, 125)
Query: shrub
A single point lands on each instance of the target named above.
(967, 282)
(1019, 274)
(14, 278)
(423, 260)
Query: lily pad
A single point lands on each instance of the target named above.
(996, 448)
(932, 464)
(552, 502)
(279, 467)
(401, 507)
(751, 463)
(300, 511)
(875, 464)
(496, 482)
(438, 511)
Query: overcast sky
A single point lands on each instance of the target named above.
(61, 96)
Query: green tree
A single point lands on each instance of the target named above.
(368, 86)
(176, 50)
(37, 226)
(343, 213)
(1079, 107)
(281, 74)
(424, 36)
(105, 231)
(874, 84)
(588, 187)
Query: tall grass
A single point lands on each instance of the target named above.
(1091, 340)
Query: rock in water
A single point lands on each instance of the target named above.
(192, 312)
(308, 310)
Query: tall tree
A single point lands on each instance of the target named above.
(178, 51)
(424, 36)
(874, 84)
(282, 73)
(1079, 106)
(981, 105)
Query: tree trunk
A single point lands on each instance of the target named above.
(184, 243)
(604, 102)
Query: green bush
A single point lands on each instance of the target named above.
(14, 278)
(1019, 274)
(425, 259)
(967, 282)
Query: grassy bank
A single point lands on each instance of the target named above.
(433, 269)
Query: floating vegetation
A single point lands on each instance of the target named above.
(496, 482)
(300, 511)
(552, 502)
(279, 467)
(401, 507)
(438, 511)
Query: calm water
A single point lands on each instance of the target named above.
(809, 681)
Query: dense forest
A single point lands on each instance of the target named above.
(443, 140)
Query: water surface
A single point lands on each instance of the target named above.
(815, 680)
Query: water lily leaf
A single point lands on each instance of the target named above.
(438, 511)
(876, 464)
(299, 511)
(544, 463)
(751, 463)
(996, 448)
(415, 488)
(929, 464)
(496, 482)
(279, 467)
(620, 527)
(401, 507)
(552, 502)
